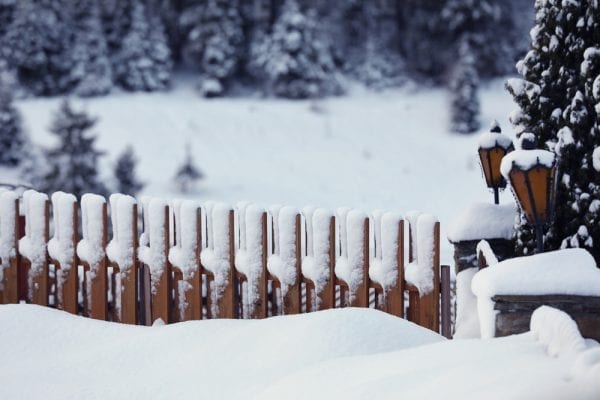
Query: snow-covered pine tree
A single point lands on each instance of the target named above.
(92, 65)
(73, 162)
(213, 42)
(125, 175)
(295, 61)
(37, 45)
(371, 53)
(143, 61)
(116, 22)
(12, 138)
(187, 174)
(7, 10)
(464, 84)
(557, 103)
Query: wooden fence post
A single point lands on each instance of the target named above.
(361, 297)
(160, 274)
(292, 302)
(445, 302)
(9, 243)
(61, 249)
(122, 252)
(92, 252)
(327, 295)
(260, 309)
(33, 246)
(429, 304)
(188, 286)
(394, 298)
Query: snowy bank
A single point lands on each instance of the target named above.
(344, 353)
(551, 362)
(51, 354)
(567, 272)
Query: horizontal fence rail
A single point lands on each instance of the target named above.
(138, 262)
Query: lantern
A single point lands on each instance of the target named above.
(493, 146)
(532, 177)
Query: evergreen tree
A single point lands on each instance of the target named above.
(464, 85)
(213, 42)
(92, 66)
(12, 138)
(73, 163)
(116, 22)
(143, 61)
(187, 174)
(7, 10)
(372, 43)
(125, 175)
(37, 45)
(557, 104)
(294, 59)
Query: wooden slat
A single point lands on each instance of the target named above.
(67, 289)
(161, 295)
(227, 303)
(327, 295)
(292, 301)
(98, 296)
(361, 297)
(11, 273)
(129, 277)
(192, 310)
(445, 301)
(394, 298)
(429, 304)
(262, 302)
(40, 283)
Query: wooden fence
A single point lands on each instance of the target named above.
(192, 261)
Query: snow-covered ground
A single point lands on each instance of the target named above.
(343, 353)
(390, 150)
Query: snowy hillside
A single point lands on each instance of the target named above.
(366, 150)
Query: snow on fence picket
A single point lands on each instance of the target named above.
(208, 260)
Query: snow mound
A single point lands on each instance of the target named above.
(569, 271)
(189, 360)
(484, 221)
(557, 331)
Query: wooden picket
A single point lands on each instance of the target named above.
(10, 292)
(140, 298)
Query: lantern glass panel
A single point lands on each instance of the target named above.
(490, 162)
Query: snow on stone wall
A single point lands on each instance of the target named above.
(568, 272)
(484, 221)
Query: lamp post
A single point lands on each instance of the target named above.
(494, 145)
(532, 177)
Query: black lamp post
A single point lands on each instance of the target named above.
(494, 145)
(532, 177)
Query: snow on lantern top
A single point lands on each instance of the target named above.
(526, 160)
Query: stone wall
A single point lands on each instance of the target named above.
(514, 312)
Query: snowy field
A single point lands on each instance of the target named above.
(390, 150)
(343, 353)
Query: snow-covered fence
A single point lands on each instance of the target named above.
(196, 261)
